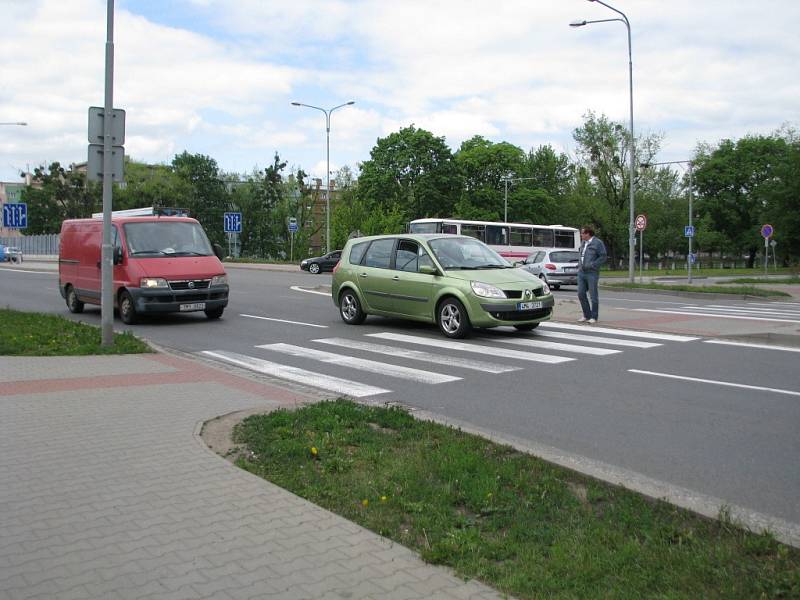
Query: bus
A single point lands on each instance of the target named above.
(514, 241)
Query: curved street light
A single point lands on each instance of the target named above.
(631, 228)
(328, 161)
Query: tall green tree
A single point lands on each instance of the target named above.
(59, 194)
(200, 183)
(412, 170)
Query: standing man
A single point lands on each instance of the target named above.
(593, 254)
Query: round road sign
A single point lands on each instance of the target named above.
(767, 230)
(641, 222)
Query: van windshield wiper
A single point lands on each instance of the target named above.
(190, 253)
(147, 252)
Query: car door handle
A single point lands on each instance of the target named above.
(396, 278)
(362, 274)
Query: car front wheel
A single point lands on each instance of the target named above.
(73, 304)
(214, 313)
(452, 319)
(350, 308)
(127, 309)
(526, 326)
(313, 268)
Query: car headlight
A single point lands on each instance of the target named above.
(484, 290)
(153, 282)
(545, 288)
(219, 280)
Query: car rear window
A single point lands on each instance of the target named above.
(357, 252)
(564, 257)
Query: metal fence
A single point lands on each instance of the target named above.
(33, 245)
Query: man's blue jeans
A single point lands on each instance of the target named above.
(587, 281)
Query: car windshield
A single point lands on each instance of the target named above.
(466, 253)
(565, 257)
(167, 238)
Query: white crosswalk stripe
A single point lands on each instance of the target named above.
(719, 315)
(429, 357)
(468, 347)
(362, 364)
(756, 310)
(544, 345)
(650, 335)
(751, 345)
(579, 337)
(317, 380)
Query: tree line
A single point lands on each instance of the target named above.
(737, 185)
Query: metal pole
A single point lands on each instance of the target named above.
(107, 267)
(766, 255)
(641, 254)
(328, 174)
(633, 148)
(691, 237)
(505, 216)
(291, 248)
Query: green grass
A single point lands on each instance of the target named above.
(34, 334)
(704, 272)
(777, 280)
(521, 525)
(742, 290)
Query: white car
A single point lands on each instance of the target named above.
(554, 267)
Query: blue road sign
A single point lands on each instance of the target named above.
(15, 215)
(293, 227)
(688, 231)
(767, 230)
(692, 258)
(232, 222)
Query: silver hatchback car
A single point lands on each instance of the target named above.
(554, 267)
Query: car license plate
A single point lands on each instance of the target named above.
(528, 305)
(194, 306)
(570, 269)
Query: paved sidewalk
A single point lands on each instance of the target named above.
(107, 491)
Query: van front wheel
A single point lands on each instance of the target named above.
(73, 304)
(127, 309)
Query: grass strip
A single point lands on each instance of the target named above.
(35, 334)
(704, 272)
(524, 526)
(743, 290)
(778, 280)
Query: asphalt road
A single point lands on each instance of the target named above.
(654, 406)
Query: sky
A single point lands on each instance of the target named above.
(217, 77)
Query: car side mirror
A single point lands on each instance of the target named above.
(218, 251)
(428, 270)
(117, 255)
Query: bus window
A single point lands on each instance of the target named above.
(476, 231)
(451, 228)
(565, 238)
(521, 236)
(543, 237)
(496, 235)
(425, 227)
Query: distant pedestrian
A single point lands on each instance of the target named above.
(593, 255)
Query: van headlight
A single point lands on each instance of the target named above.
(153, 282)
(219, 280)
(484, 290)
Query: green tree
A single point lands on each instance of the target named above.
(412, 170)
(604, 150)
(59, 194)
(200, 183)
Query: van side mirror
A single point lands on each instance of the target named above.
(117, 255)
(428, 270)
(218, 251)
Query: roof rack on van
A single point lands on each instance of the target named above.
(148, 211)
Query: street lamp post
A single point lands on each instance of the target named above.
(508, 180)
(691, 195)
(22, 123)
(631, 229)
(328, 162)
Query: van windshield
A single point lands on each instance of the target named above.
(166, 238)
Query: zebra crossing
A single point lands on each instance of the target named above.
(776, 312)
(551, 344)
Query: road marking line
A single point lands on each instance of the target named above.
(317, 380)
(670, 337)
(284, 321)
(712, 381)
(363, 364)
(439, 359)
(750, 345)
(26, 271)
(755, 311)
(297, 288)
(464, 347)
(719, 316)
(578, 337)
(518, 341)
(774, 303)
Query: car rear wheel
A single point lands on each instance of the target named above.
(215, 313)
(350, 308)
(526, 326)
(73, 304)
(452, 319)
(313, 268)
(127, 309)
(555, 286)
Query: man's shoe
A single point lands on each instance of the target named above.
(592, 321)
(582, 320)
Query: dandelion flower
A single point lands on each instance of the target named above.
(314, 450)
(365, 502)
(384, 498)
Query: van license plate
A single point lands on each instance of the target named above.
(194, 306)
(528, 305)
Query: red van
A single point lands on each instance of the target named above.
(162, 264)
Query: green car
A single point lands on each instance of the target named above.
(454, 281)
